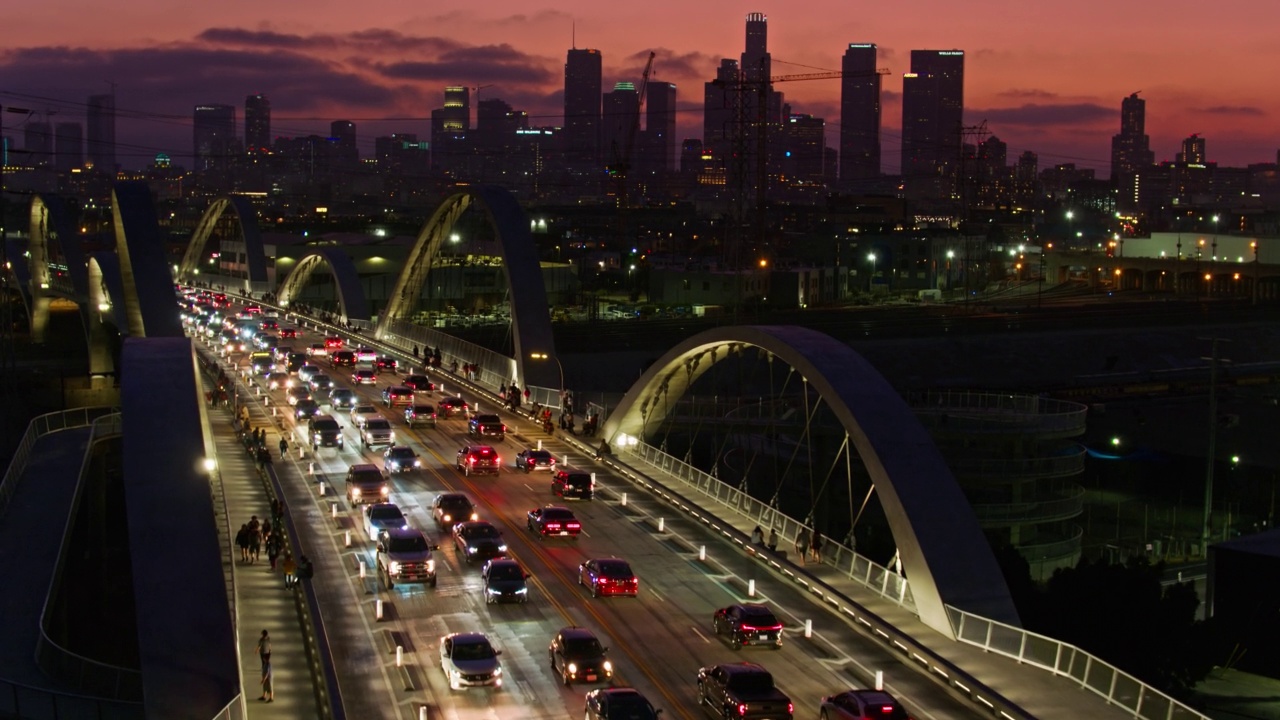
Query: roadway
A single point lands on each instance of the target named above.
(657, 641)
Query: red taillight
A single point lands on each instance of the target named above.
(791, 708)
(553, 526)
(742, 709)
(574, 526)
(471, 460)
(886, 709)
(753, 628)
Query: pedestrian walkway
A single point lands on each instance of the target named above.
(262, 602)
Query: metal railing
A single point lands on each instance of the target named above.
(876, 578)
(40, 426)
(986, 412)
(1055, 550)
(1063, 659)
(1031, 468)
(1063, 502)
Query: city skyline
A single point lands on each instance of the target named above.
(1020, 77)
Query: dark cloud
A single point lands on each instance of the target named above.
(1044, 115)
(1028, 94)
(490, 64)
(263, 38)
(1245, 110)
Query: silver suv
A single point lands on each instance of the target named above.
(376, 432)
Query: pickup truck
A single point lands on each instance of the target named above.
(742, 690)
(365, 483)
(404, 555)
(487, 426)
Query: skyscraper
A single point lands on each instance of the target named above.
(859, 114)
(1131, 149)
(932, 122)
(718, 120)
(621, 114)
(101, 132)
(257, 124)
(37, 141)
(343, 133)
(582, 102)
(214, 138)
(68, 146)
(1193, 150)
(457, 110)
(757, 65)
(660, 127)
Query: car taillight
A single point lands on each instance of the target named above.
(553, 526)
(471, 460)
(791, 708)
(886, 709)
(742, 709)
(575, 526)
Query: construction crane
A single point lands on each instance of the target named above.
(622, 156)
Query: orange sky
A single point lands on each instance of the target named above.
(1045, 77)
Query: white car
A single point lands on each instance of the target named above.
(362, 412)
(366, 354)
(383, 516)
(469, 660)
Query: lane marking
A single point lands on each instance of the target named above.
(699, 634)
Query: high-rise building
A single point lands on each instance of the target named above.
(859, 114)
(582, 102)
(1131, 149)
(719, 119)
(68, 146)
(757, 65)
(457, 110)
(343, 133)
(804, 150)
(932, 122)
(101, 132)
(257, 124)
(660, 127)
(214, 138)
(1193, 151)
(37, 141)
(621, 116)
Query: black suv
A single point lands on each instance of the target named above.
(577, 656)
(324, 431)
(572, 484)
(489, 426)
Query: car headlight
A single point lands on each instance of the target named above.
(573, 668)
(502, 548)
(431, 565)
(447, 518)
(493, 591)
(417, 463)
(471, 550)
(373, 534)
(475, 516)
(385, 490)
(497, 672)
(522, 591)
(355, 492)
(392, 438)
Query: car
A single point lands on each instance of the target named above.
(530, 460)
(477, 459)
(377, 431)
(451, 508)
(386, 364)
(397, 395)
(554, 521)
(317, 350)
(333, 342)
(504, 581)
(362, 412)
(421, 384)
(478, 540)
(424, 415)
(450, 406)
(404, 555)
(364, 376)
(306, 372)
(608, 576)
(288, 332)
(748, 624)
(573, 484)
(487, 426)
(365, 484)
(320, 383)
(324, 431)
(281, 353)
(366, 354)
(383, 516)
(342, 358)
(306, 409)
(261, 362)
(576, 655)
(269, 325)
(469, 660)
(618, 703)
(295, 363)
(279, 380)
(253, 310)
(400, 458)
(742, 690)
(295, 394)
(342, 399)
(861, 704)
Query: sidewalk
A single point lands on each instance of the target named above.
(262, 602)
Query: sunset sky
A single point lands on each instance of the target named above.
(1046, 77)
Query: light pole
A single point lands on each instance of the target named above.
(1254, 246)
(544, 356)
(951, 254)
(871, 280)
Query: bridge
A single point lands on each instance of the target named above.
(940, 570)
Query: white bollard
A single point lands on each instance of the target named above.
(879, 680)
(257, 390)
(459, 394)
(333, 510)
(377, 609)
(539, 444)
(347, 541)
(422, 713)
(399, 656)
(302, 452)
(273, 412)
(311, 468)
(321, 488)
(702, 552)
(751, 588)
(662, 524)
(624, 499)
(362, 570)
(266, 402)
(808, 628)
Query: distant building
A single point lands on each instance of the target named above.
(214, 139)
(804, 150)
(1131, 152)
(449, 127)
(101, 132)
(660, 127)
(932, 122)
(621, 116)
(257, 124)
(37, 141)
(1193, 150)
(343, 133)
(582, 103)
(859, 114)
(68, 146)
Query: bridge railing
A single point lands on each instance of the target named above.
(876, 578)
(40, 426)
(1063, 659)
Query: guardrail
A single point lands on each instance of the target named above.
(1066, 660)
(1033, 468)
(1062, 502)
(40, 426)
(964, 411)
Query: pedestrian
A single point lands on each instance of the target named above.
(817, 547)
(502, 392)
(277, 511)
(242, 541)
(264, 648)
(274, 546)
(802, 543)
(415, 351)
(255, 542)
(267, 530)
(290, 568)
(264, 458)
(773, 540)
(268, 691)
(526, 393)
(305, 568)
(603, 450)
(284, 447)
(757, 536)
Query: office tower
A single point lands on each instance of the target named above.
(457, 110)
(497, 123)
(343, 135)
(660, 127)
(932, 122)
(582, 102)
(1025, 177)
(621, 116)
(859, 114)
(101, 132)
(1192, 151)
(691, 156)
(37, 141)
(804, 149)
(757, 65)
(719, 119)
(1131, 149)
(213, 136)
(68, 146)
(257, 124)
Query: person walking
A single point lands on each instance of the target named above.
(263, 648)
(284, 447)
(255, 541)
(802, 543)
(816, 546)
(290, 568)
(268, 689)
(274, 546)
(277, 512)
(242, 541)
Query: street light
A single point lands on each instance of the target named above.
(544, 356)
(951, 254)
(870, 280)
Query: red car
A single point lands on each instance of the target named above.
(333, 342)
(288, 332)
(554, 521)
(608, 576)
(476, 459)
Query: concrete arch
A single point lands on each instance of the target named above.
(530, 318)
(255, 256)
(52, 233)
(146, 280)
(351, 297)
(944, 553)
(106, 295)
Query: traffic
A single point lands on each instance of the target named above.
(529, 595)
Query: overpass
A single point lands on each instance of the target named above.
(943, 573)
